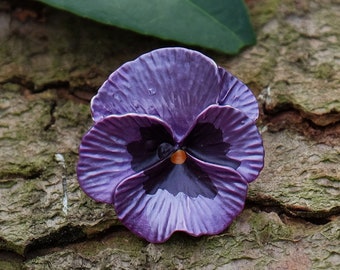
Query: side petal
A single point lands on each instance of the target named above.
(158, 215)
(175, 84)
(225, 136)
(236, 94)
(104, 155)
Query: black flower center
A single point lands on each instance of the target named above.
(177, 173)
(155, 144)
(164, 150)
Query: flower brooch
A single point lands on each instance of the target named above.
(174, 145)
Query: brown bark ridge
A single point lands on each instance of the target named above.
(52, 63)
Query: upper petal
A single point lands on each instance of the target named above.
(175, 84)
(115, 148)
(236, 94)
(156, 215)
(225, 136)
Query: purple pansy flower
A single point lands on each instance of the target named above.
(174, 145)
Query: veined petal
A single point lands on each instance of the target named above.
(236, 94)
(225, 136)
(175, 84)
(156, 215)
(187, 178)
(115, 148)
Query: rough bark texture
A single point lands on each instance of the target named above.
(52, 63)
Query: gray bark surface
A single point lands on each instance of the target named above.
(52, 63)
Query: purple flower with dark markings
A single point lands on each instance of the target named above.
(174, 145)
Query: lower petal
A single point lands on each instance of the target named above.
(155, 216)
(187, 178)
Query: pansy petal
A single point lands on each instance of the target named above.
(174, 84)
(156, 215)
(187, 178)
(236, 94)
(115, 148)
(225, 136)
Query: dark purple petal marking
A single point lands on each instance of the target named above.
(103, 157)
(236, 94)
(174, 84)
(205, 142)
(239, 147)
(155, 144)
(156, 216)
(187, 178)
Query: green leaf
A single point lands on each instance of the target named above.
(221, 25)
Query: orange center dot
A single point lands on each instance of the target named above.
(178, 157)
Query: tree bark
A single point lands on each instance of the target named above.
(52, 63)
